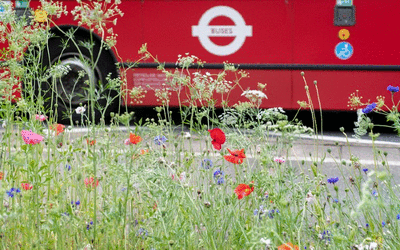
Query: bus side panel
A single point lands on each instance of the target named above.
(372, 36)
(335, 87)
(278, 88)
(168, 30)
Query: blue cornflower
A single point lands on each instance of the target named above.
(336, 200)
(326, 235)
(76, 203)
(88, 225)
(271, 214)
(65, 214)
(123, 189)
(333, 180)
(383, 224)
(142, 232)
(219, 176)
(259, 211)
(206, 164)
(10, 192)
(365, 170)
(398, 216)
(374, 193)
(367, 225)
(369, 108)
(255, 212)
(68, 167)
(160, 139)
(265, 197)
(393, 89)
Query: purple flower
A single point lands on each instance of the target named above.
(326, 235)
(68, 167)
(383, 224)
(255, 212)
(369, 108)
(393, 89)
(398, 216)
(219, 176)
(206, 164)
(365, 170)
(88, 225)
(333, 180)
(142, 232)
(160, 139)
(77, 203)
(10, 192)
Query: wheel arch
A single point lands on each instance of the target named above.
(83, 32)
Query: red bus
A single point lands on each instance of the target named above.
(344, 45)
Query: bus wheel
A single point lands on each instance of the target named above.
(87, 67)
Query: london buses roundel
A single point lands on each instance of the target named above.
(204, 31)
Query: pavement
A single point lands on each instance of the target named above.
(342, 148)
(333, 147)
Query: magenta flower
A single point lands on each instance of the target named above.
(41, 117)
(31, 138)
(279, 160)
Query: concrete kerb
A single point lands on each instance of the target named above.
(313, 148)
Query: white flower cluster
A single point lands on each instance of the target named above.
(187, 60)
(254, 94)
(59, 70)
(371, 246)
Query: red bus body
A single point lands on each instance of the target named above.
(282, 39)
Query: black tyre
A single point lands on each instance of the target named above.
(71, 90)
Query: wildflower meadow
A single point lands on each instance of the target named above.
(76, 175)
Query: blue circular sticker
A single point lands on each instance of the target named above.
(343, 50)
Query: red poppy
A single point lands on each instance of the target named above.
(155, 206)
(91, 143)
(134, 139)
(244, 190)
(59, 128)
(1, 175)
(218, 138)
(288, 246)
(236, 156)
(26, 186)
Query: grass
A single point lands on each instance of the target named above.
(122, 187)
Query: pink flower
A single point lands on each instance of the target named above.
(26, 186)
(279, 160)
(31, 138)
(41, 117)
(127, 142)
(89, 182)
